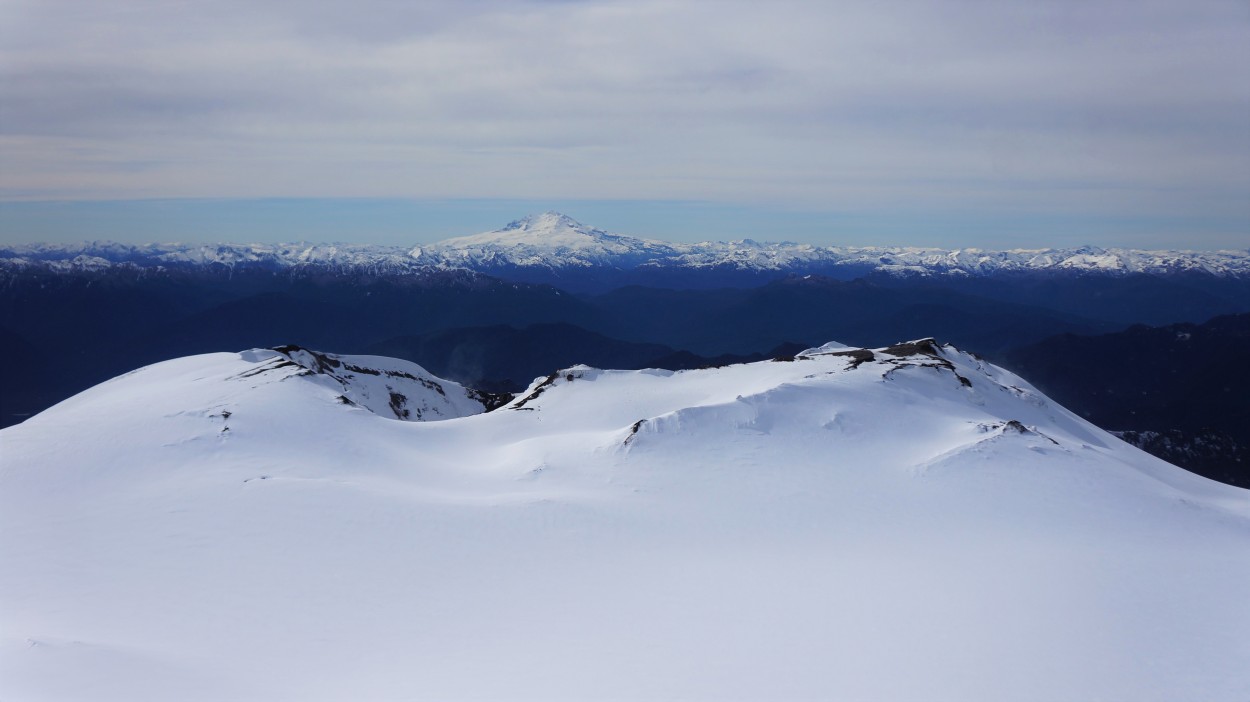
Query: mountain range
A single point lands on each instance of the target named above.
(553, 248)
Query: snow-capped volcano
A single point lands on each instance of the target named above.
(550, 240)
(899, 523)
(549, 229)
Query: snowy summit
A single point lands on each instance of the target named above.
(550, 240)
(549, 229)
(898, 523)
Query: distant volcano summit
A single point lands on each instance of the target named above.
(548, 221)
(548, 240)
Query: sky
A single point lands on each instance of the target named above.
(942, 123)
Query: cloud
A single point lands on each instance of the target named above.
(1105, 108)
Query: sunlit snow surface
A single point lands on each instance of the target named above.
(826, 528)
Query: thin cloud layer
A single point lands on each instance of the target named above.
(1010, 109)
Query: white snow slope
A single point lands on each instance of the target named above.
(910, 524)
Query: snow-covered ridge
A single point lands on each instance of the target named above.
(552, 241)
(845, 524)
(295, 258)
(388, 387)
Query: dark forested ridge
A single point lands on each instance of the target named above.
(61, 333)
(1180, 391)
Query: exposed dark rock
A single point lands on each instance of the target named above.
(538, 390)
(266, 367)
(857, 356)
(361, 370)
(491, 400)
(633, 431)
(921, 347)
(398, 405)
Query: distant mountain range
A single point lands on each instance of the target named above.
(555, 249)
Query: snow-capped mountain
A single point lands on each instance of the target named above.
(551, 241)
(898, 523)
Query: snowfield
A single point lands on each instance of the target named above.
(907, 523)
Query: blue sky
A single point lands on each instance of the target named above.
(926, 123)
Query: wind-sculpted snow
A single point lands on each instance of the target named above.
(899, 523)
(555, 242)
